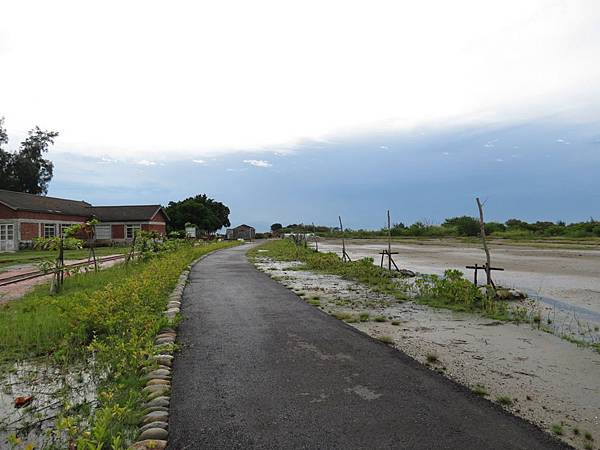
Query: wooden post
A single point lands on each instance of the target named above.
(344, 254)
(315, 238)
(488, 263)
(389, 241)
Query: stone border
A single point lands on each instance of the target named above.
(154, 429)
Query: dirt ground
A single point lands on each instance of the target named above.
(547, 380)
(566, 278)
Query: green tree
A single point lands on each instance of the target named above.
(207, 214)
(276, 227)
(26, 170)
(464, 225)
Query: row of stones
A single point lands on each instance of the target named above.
(154, 428)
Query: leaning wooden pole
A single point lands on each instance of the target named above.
(344, 254)
(488, 263)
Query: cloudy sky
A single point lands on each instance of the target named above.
(302, 111)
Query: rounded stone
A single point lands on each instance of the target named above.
(165, 340)
(164, 360)
(156, 416)
(158, 381)
(163, 425)
(156, 388)
(149, 444)
(154, 433)
(159, 373)
(167, 330)
(156, 408)
(158, 401)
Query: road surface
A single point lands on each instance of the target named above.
(260, 368)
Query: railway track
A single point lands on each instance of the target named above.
(39, 273)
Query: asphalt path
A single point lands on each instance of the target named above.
(260, 368)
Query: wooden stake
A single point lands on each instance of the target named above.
(488, 263)
(345, 256)
(389, 241)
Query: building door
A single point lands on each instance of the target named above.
(7, 237)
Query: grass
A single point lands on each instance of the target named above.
(396, 323)
(588, 436)
(112, 315)
(386, 340)
(314, 302)
(364, 317)
(380, 319)
(449, 292)
(33, 256)
(432, 358)
(504, 400)
(557, 429)
(480, 390)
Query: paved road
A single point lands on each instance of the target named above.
(260, 368)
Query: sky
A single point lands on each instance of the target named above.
(300, 111)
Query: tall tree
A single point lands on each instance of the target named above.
(26, 170)
(206, 213)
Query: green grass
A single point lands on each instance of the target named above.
(386, 340)
(480, 390)
(449, 292)
(380, 319)
(113, 315)
(364, 317)
(504, 400)
(432, 358)
(314, 302)
(33, 256)
(557, 429)
(396, 323)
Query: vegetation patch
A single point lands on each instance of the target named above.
(111, 318)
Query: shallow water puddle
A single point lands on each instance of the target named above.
(34, 393)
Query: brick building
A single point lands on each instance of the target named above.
(24, 217)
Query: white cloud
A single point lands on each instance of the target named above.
(562, 141)
(145, 162)
(499, 160)
(105, 160)
(445, 153)
(384, 147)
(258, 162)
(437, 62)
(199, 161)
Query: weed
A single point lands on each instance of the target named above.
(342, 316)
(113, 314)
(395, 323)
(386, 339)
(557, 429)
(364, 317)
(576, 431)
(380, 319)
(588, 446)
(480, 390)
(315, 302)
(432, 358)
(588, 436)
(504, 400)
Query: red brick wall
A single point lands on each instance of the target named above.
(29, 231)
(7, 213)
(118, 232)
(159, 217)
(162, 229)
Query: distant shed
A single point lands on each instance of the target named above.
(241, 232)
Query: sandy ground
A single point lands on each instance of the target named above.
(550, 381)
(565, 278)
(18, 290)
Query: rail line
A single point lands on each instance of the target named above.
(39, 273)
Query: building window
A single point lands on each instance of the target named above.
(49, 230)
(131, 230)
(7, 232)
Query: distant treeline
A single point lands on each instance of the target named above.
(463, 226)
